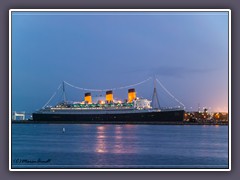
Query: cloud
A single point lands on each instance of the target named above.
(178, 72)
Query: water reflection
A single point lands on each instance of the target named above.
(122, 142)
(116, 139)
(93, 145)
(118, 144)
(101, 140)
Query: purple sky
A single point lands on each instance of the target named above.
(187, 51)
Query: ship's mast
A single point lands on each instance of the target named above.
(155, 101)
(64, 93)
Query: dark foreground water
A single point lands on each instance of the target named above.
(119, 146)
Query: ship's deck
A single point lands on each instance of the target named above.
(100, 110)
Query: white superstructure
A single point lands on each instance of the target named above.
(142, 104)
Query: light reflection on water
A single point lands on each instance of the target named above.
(119, 147)
(101, 146)
(123, 145)
(117, 139)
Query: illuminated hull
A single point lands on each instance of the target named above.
(111, 117)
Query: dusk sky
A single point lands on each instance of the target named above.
(187, 51)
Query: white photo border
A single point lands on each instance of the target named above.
(120, 10)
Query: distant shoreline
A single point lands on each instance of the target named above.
(117, 123)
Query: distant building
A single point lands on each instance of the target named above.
(205, 116)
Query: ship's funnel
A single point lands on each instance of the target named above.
(109, 96)
(88, 98)
(131, 95)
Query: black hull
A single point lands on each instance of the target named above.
(128, 118)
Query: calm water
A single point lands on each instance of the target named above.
(119, 146)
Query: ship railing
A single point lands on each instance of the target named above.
(88, 108)
(171, 108)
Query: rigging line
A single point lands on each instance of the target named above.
(52, 96)
(84, 89)
(170, 94)
(100, 90)
(135, 84)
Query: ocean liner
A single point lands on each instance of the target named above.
(133, 110)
